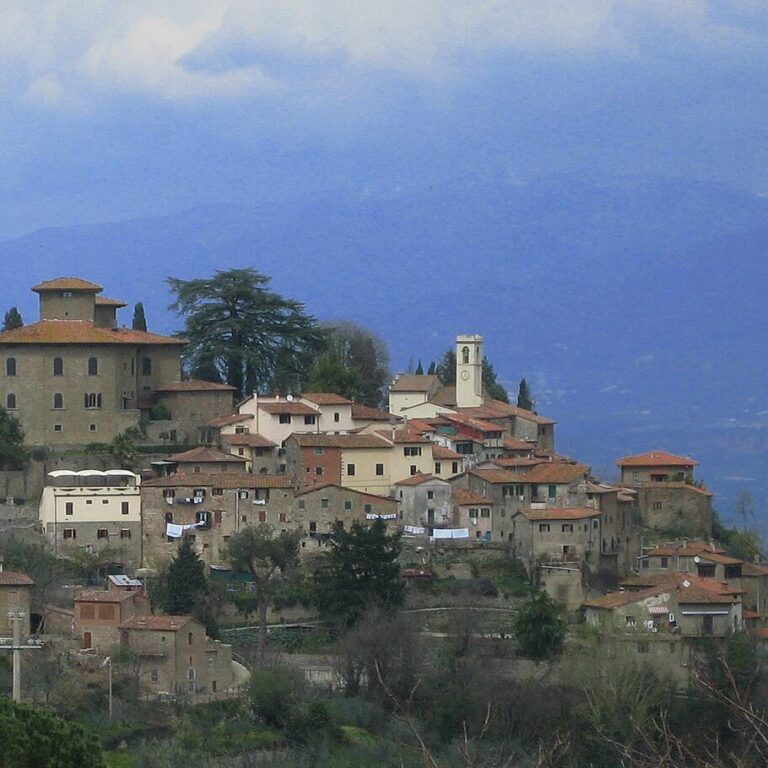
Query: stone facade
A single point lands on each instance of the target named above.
(99, 613)
(71, 381)
(424, 500)
(228, 503)
(173, 655)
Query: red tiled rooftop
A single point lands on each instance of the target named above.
(292, 407)
(228, 480)
(657, 459)
(467, 498)
(322, 440)
(81, 332)
(103, 301)
(403, 436)
(326, 398)
(204, 454)
(156, 623)
(104, 596)
(67, 284)
(15, 579)
(560, 513)
(441, 452)
(407, 382)
(418, 479)
(372, 496)
(195, 385)
(366, 413)
(230, 418)
(252, 440)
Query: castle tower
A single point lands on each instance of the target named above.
(469, 371)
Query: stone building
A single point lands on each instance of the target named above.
(93, 510)
(173, 655)
(74, 377)
(213, 507)
(668, 496)
(424, 501)
(99, 613)
(189, 404)
(564, 534)
(206, 461)
(318, 509)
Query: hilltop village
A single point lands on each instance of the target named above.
(453, 471)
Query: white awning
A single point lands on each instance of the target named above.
(659, 610)
(62, 473)
(91, 473)
(120, 473)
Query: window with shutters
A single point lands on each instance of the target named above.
(58, 366)
(10, 366)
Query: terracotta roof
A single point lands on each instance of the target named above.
(205, 454)
(104, 596)
(657, 459)
(156, 623)
(619, 599)
(422, 425)
(231, 418)
(67, 284)
(748, 615)
(444, 396)
(441, 452)
(468, 421)
(252, 440)
(371, 496)
(103, 301)
(15, 579)
(683, 486)
(326, 398)
(292, 407)
(322, 440)
(195, 385)
(495, 409)
(467, 498)
(81, 332)
(689, 549)
(403, 436)
(496, 475)
(754, 569)
(687, 588)
(228, 480)
(513, 444)
(366, 413)
(717, 557)
(418, 479)
(555, 472)
(560, 513)
(408, 382)
(510, 462)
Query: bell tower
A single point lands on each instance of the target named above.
(469, 371)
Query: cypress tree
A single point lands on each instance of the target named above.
(524, 397)
(12, 319)
(419, 369)
(186, 580)
(139, 318)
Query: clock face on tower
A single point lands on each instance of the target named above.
(465, 375)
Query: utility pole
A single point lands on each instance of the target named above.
(17, 617)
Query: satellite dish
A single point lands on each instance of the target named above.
(686, 583)
(696, 559)
(289, 398)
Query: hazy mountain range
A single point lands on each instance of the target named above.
(634, 306)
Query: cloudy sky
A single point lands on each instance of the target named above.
(114, 109)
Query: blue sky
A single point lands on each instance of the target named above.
(119, 109)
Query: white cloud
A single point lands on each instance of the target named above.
(188, 49)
